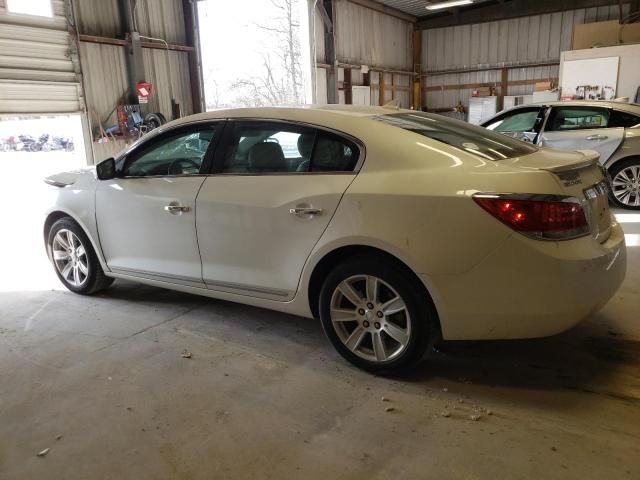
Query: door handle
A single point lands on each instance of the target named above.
(596, 137)
(176, 208)
(299, 211)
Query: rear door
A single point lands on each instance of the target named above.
(582, 128)
(273, 191)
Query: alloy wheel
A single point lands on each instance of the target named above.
(70, 257)
(626, 186)
(370, 318)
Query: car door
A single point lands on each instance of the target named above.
(523, 123)
(146, 215)
(581, 128)
(273, 191)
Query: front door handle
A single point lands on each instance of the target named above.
(597, 137)
(300, 211)
(176, 208)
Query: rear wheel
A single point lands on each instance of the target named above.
(375, 314)
(74, 259)
(625, 183)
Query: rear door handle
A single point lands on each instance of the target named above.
(300, 211)
(597, 137)
(176, 208)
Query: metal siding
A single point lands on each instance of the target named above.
(168, 71)
(532, 39)
(105, 79)
(367, 37)
(154, 18)
(37, 74)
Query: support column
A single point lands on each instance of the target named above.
(416, 98)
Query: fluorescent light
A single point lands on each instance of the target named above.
(451, 3)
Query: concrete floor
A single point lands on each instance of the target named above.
(100, 381)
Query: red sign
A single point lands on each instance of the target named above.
(143, 89)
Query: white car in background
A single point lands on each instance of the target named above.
(610, 128)
(395, 228)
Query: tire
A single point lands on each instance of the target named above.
(84, 275)
(626, 173)
(410, 326)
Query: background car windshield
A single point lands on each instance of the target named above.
(470, 138)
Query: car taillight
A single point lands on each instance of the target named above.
(547, 217)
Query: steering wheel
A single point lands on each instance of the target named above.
(178, 166)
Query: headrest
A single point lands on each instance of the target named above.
(305, 144)
(267, 157)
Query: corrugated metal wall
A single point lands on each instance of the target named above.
(37, 74)
(533, 39)
(154, 18)
(368, 37)
(105, 66)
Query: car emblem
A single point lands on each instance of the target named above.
(570, 178)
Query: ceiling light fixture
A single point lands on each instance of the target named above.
(451, 3)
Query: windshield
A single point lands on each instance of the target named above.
(470, 138)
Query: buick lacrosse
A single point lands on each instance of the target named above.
(395, 228)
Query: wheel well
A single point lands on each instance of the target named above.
(623, 159)
(52, 218)
(333, 258)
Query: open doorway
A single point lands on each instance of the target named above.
(32, 148)
(252, 52)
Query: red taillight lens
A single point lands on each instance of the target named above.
(543, 216)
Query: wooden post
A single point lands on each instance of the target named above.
(416, 99)
(504, 87)
(346, 86)
(381, 88)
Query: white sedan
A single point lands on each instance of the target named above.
(395, 228)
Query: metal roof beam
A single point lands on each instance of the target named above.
(493, 11)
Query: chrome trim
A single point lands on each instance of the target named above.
(247, 288)
(162, 276)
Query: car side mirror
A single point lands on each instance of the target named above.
(106, 170)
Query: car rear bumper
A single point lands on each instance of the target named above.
(528, 288)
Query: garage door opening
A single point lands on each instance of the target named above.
(30, 149)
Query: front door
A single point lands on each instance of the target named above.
(582, 128)
(275, 187)
(146, 216)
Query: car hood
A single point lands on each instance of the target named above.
(65, 179)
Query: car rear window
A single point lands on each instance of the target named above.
(470, 138)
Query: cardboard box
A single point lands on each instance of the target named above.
(543, 86)
(604, 34)
(483, 92)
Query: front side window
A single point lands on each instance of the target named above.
(524, 120)
(256, 147)
(462, 135)
(577, 118)
(173, 153)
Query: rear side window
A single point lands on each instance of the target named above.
(470, 138)
(577, 118)
(623, 119)
(256, 147)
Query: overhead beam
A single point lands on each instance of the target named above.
(504, 10)
(123, 43)
(387, 10)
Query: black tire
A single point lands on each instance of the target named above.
(419, 307)
(615, 170)
(95, 280)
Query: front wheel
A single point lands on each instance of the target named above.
(376, 314)
(625, 183)
(74, 259)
